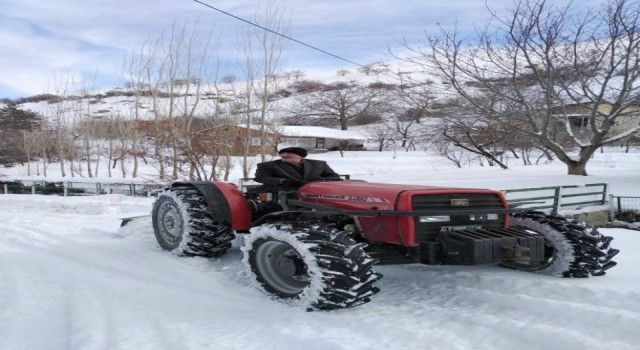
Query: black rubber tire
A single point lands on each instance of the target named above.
(578, 250)
(340, 271)
(198, 232)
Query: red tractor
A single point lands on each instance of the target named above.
(319, 245)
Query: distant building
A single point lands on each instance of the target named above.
(319, 139)
(229, 138)
(578, 115)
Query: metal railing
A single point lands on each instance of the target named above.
(71, 188)
(555, 198)
(622, 204)
(552, 198)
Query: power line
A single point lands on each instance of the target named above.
(396, 76)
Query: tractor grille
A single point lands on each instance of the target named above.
(428, 231)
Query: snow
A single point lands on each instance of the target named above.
(72, 279)
(629, 225)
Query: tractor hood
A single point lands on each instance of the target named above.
(371, 195)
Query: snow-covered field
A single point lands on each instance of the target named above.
(70, 278)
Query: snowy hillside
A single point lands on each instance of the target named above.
(72, 279)
(121, 102)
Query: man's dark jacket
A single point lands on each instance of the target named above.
(272, 174)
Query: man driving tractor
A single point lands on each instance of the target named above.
(292, 170)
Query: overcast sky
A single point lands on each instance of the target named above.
(39, 39)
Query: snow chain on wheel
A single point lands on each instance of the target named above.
(313, 264)
(573, 248)
(183, 224)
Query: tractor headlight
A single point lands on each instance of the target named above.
(489, 217)
(435, 218)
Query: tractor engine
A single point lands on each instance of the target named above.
(434, 225)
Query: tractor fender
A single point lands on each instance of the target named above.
(224, 200)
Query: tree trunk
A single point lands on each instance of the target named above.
(123, 169)
(174, 169)
(134, 174)
(343, 123)
(96, 167)
(61, 156)
(87, 151)
(158, 149)
(28, 163)
(577, 168)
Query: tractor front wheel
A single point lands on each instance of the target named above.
(318, 265)
(572, 249)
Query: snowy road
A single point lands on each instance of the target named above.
(70, 279)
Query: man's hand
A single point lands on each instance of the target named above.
(293, 182)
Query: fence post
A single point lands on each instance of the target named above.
(556, 200)
(612, 213)
(619, 205)
(33, 188)
(65, 189)
(131, 189)
(99, 187)
(6, 189)
(604, 194)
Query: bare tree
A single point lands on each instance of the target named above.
(406, 108)
(62, 85)
(173, 70)
(137, 69)
(246, 98)
(44, 145)
(448, 150)
(341, 103)
(381, 134)
(542, 67)
(85, 125)
(270, 49)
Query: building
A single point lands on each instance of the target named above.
(578, 115)
(319, 139)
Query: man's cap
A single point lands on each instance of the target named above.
(295, 150)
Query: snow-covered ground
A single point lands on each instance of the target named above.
(72, 279)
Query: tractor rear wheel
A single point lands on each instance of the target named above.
(183, 224)
(572, 249)
(316, 265)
